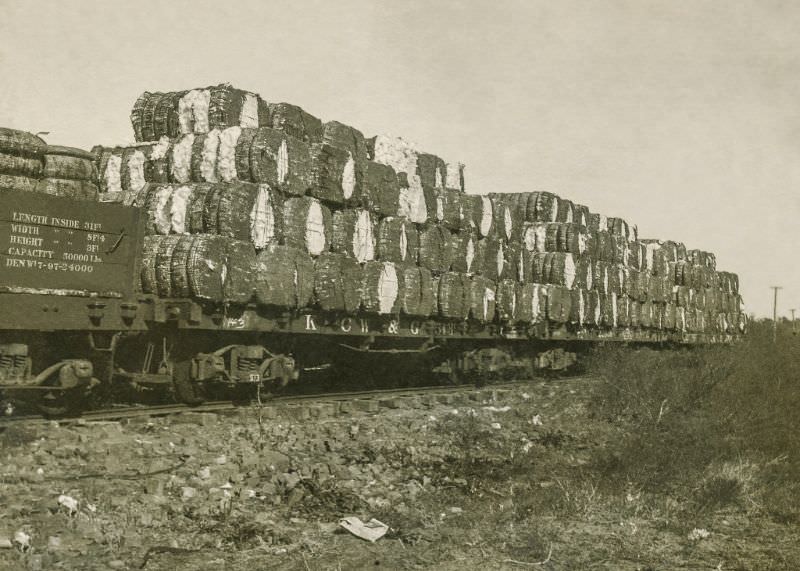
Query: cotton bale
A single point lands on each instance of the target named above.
(482, 299)
(296, 122)
(337, 282)
(381, 290)
(435, 248)
(402, 157)
(307, 224)
(285, 277)
(506, 303)
(339, 162)
(281, 161)
(397, 241)
(454, 295)
(354, 234)
(381, 189)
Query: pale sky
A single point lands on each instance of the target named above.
(680, 116)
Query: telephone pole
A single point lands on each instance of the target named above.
(794, 329)
(775, 313)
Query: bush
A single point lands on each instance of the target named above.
(687, 410)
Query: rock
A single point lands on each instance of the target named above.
(274, 460)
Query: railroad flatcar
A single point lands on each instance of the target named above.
(75, 326)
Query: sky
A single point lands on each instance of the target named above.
(680, 116)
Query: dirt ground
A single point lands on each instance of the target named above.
(490, 480)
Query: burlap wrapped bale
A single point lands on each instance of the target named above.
(127, 169)
(559, 304)
(491, 255)
(534, 267)
(266, 217)
(656, 292)
(432, 171)
(284, 277)
(545, 208)
(203, 160)
(623, 311)
(672, 250)
(524, 310)
(482, 299)
(515, 260)
(21, 166)
(402, 157)
(337, 282)
(354, 234)
(482, 213)
(195, 209)
(616, 279)
(601, 277)
(592, 309)
(67, 188)
(156, 204)
(574, 239)
(506, 303)
(565, 212)
(552, 233)
(140, 131)
(240, 282)
(307, 224)
(59, 164)
(211, 208)
(646, 315)
(608, 310)
(682, 273)
(148, 282)
(561, 269)
(670, 317)
(604, 246)
(207, 267)
(396, 241)
(339, 163)
(381, 289)
(620, 250)
(465, 244)
(444, 207)
(508, 217)
(680, 295)
(535, 236)
(619, 227)
(235, 208)
(380, 189)
(435, 248)
(166, 119)
(581, 215)
(166, 248)
(12, 182)
(281, 161)
(179, 267)
(21, 143)
(228, 107)
(584, 272)
(147, 109)
(241, 154)
(577, 314)
(454, 295)
(296, 122)
(634, 313)
(633, 287)
(428, 292)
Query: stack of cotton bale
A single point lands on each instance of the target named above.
(248, 201)
(27, 163)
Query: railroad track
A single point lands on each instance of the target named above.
(136, 411)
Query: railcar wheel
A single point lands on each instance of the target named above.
(186, 391)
